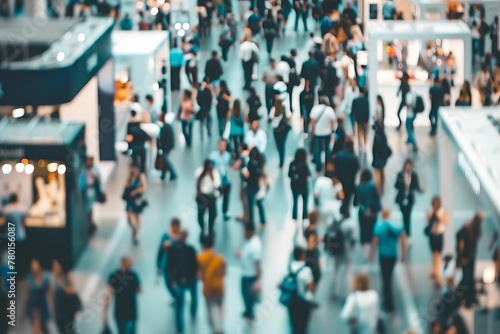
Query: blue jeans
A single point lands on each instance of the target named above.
(126, 326)
(187, 131)
(248, 294)
(179, 304)
(168, 284)
(410, 130)
(167, 166)
(319, 143)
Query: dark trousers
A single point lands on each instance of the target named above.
(433, 117)
(467, 285)
(290, 94)
(348, 189)
(476, 45)
(175, 78)
(168, 283)
(304, 193)
(168, 166)
(300, 14)
(269, 44)
(139, 157)
(226, 191)
(366, 225)
(249, 297)
(192, 75)
(187, 131)
(221, 122)
(251, 199)
(280, 135)
(386, 269)
(65, 326)
(247, 72)
(269, 97)
(236, 140)
(321, 143)
(206, 202)
(225, 50)
(401, 105)
(207, 123)
(406, 212)
(305, 112)
(126, 326)
(299, 312)
(179, 304)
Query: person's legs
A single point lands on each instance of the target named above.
(432, 119)
(209, 124)
(409, 130)
(280, 138)
(248, 295)
(295, 198)
(202, 203)
(290, 96)
(305, 14)
(326, 145)
(212, 214)
(226, 191)
(262, 212)
(179, 308)
(305, 202)
(247, 73)
(297, 16)
(169, 166)
(175, 78)
(251, 193)
(318, 143)
(401, 105)
(193, 290)
(168, 284)
(386, 269)
(221, 124)
(269, 44)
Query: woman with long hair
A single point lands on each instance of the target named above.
(207, 190)
(187, 112)
(280, 117)
(381, 152)
(464, 97)
(135, 188)
(223, 101)
(437, 218)
(299, 174)
(236, 130)
(38, 294)
(66, 301)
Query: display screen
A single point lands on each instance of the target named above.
(373, 11)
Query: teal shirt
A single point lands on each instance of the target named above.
(388, 236)
(222, 162)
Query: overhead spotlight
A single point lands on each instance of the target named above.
(60, 56)
(18, 112)
(61, 169)
(52, 167)
(19, 167)
(24, 161)
(81, 37)
(156, 86)
(166, 6)
(160, 2)
(6, 169)
(124, 79)
(29, 169)
(154, 11)
(41, 163)
(181, 32)
(178, 26)
(185, 26)
(139, 5)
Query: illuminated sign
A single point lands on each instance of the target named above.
(469, 173)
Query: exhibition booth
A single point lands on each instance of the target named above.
(372, 9)
(43, 163)
(415, 36)
(64, 72)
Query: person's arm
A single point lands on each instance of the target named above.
(257, 284)
(402, 241)
(312, 123)
(374, 248)
(493, 241)
(347, 311)
(107, 300)
(217, 181)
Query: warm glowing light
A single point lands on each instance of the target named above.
(154, 11)
(124, 79)
(6, 169)
(41, 163)
(160, 2)
(60, 56)
(24, 161)
(139, 5)
(489, 275)
(61, 169)
(19, 167)
(156, 86)
(29, 169)
(52, 167)
(18, 112)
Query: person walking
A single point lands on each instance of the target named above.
(270, 28)
(208, 186)
(347, 166)
(256, 137)
(280, 117)
(310, 71)
(188, 109)
(367, 198)
(66, 301)
(252, 174)
(361, 309)
(214, 71)
(301, 303)
(254, 22)
(136, 138)
(176, 62)
(404, 89)
(306, 101)
(253, 105)
(301, 8)
(380, 152)
(225, 39)
(407, 182)
(361, 115)
(436, 95)
(168, 238)
(299, 175)
(387, 234)
(211, 271)
(205, 99)
(328, 196)
(236, 130)
(182, 267)
(249, 56)
(467, 240)
(223, 101)
(270, 78)
(251, 257)
(165, 144)
(134, 190)
(222, 162)
(437, 218)
(38, 294)
(411, 100)
(323, 122)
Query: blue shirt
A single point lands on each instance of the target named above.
(176, 57)
(388, 236)
(222, 162)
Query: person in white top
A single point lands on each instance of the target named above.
(249, 53)
(300, 306)
(280, 117)
(361, 309)
(350, 93)
(283, 69)
(251, 257)
(328, 196)
(437, 218)
(411, 99)
(256, 137)
(323, 121)
(208, 185)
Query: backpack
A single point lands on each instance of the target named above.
(335, 241)
(331, 75)
(419, 105)
(289, 287)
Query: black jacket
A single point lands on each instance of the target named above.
(253, 181)
(204, 99)
(361, 109)
(400, 187)
(346, 167)
(310, 70)
(213, 69)
(182, 265)
(166, 141)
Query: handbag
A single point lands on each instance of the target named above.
(126, 194)
(159, 162)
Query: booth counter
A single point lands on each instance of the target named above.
(43, 163)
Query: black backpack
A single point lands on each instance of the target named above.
(419, 105)
(335, 241)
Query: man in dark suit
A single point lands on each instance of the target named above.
(166, 143)
(310, 71)
(346, 167)
(213, 70)
(361, 113)
(204, 99)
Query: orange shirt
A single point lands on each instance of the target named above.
(212, 267)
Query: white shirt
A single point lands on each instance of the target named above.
(207, 185)
(322, 120)
(256, 139)
(251, 253)
(304, 278)
(283, 69)
(411, 99)
(364, 307)
(326, 193)
(246, 49)
(275, 121)
(349, 96)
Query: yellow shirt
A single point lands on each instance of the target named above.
(212, 268)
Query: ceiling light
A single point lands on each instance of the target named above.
(81, 37)
(52, 167)
(61, 169)
(60, 56)
(178, 26)
(19, 167)
(6, 169)
(154, 11)
(156, 86)
(181, 32)
(185, 26)
(160, 2)
(124, 79)
(166, 6)
(18, 112)
(29, 169)
(139, 5)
